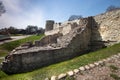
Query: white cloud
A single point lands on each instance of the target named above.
(12, 5)
(19, 17)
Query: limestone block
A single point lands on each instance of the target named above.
(53, 78)
(116, 56)
(82, 68)
(108, 59)
(91, 65)
(87, 67)
(70, 73)
(61, 76)
(76, 71)
(104, 60)
(100, 62)
(96, 63)
(46, 78)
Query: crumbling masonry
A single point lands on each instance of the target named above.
(65, 42)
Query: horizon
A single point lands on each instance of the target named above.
(20, 13)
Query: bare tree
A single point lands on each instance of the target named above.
(111, 8)
(73, 17)
(2, 8)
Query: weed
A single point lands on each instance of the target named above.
(115, 76)
(113, 68)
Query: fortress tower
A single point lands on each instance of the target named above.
(49, 25)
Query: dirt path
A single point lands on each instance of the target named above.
(14, 38)
(109, 71)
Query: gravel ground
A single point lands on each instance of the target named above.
(109, 71)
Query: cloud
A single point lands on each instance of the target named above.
(12, 5)
(20, 16)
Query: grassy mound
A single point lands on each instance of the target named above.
(7, 47)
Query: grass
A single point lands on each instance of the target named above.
(114, 68)
(114, 76)
(62, 67)
(7, 47)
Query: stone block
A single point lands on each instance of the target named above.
(91, 65)
(46, 78)
(61, 76)
(96, 63)
(100, 62)
(87, 67)
(70, 73)
(76, 71)
(82, 68)
(104, 60)
(54, 78)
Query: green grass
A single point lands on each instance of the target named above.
(114, 76)
(7, 47)
(62, 67)
(114, 68)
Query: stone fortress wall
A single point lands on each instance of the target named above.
(63, 28)
(108, 25)
(85, 34)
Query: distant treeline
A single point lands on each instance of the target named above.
(29, 30)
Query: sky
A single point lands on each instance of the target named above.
(20, 13)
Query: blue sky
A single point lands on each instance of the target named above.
(20, 13)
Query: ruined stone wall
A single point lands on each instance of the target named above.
(63, 28)
(90, 33)
(108, 25)
(47, 40)
(74, 43)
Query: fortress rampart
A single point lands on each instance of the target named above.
(65, 41)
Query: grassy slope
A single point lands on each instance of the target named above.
(7, 47)
(58, 68)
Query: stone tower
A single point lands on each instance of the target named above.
(49, 25)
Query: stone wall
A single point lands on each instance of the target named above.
(108, 25)
(63, 28)
(73, 44)
(86, 34)
(50, 39)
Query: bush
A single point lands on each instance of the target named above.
(111, 8)
(74, 17)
